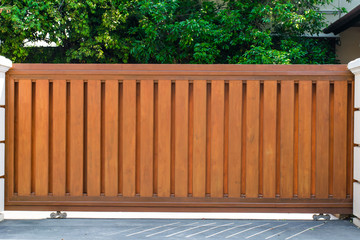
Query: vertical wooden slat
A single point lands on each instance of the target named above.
(111, 137)
(76, 130)
(146, 138)
(93, 138)
(269, 139)
(235, 123)
(181, 138)
(129, 137)
(9, 136)
(304, 174)
(41, 161)
(59, 138)
(24, 138)
(322, 139)
(287, 139)
(252, 138)
(217, 137)
(164, 131)
(199, 154)
(340, 122)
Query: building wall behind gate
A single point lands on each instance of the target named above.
(179, 138)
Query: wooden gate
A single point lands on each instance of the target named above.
(229, 138)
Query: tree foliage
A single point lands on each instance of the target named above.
(165, 31)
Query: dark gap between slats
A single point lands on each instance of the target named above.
(243, 142)
(85, 112)
(226, 141)
(208, 140)
(313, 141)
(51, 102)
(16, 137)
(33, 137)
(278, 131)
(296, 141)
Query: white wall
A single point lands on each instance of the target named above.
(5, 64)
(354, 67)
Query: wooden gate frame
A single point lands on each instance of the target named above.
(323, 90)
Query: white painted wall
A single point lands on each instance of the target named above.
(354, 67)
(5, 64)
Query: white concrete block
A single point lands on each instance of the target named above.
(2, 159)
(357, 92)
(2, 194)
(357, 127)
(356, 207)
(356, 221)
(357, 163)
(2, 124)
(2, 88)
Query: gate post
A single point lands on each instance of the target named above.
(354, 67)
(5, 64)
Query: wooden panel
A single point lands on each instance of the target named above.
(217, 138)
(287, 139)
(41, 161)
(111, 137)
(164, 138)
(76, 131)
(181, 138)
(59, 138)
(340, 124)
(24, 138)
(269, 139)
(146, 138)
(252, 138)
(129, 137)
(322, 139)
(235, 125)
(305, 104)
(199, 144)
(93, 138)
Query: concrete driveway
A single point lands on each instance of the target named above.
(176, 229)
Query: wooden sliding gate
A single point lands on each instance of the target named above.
(229, 138)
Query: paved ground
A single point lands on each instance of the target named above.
(176, 229)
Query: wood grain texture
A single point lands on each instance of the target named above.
(59, 138)
(129, 138)
(41, 161)
(252, 138)
(181, 138)
(111, 138)
(93, 138)
(76, 131)
(199, 144)
(146, 138)
(269, 139)
(235, 133)
(24, 138)
(339, 161)
(164, 138)
(217, 138)
(287, 139)
(322, 139)
(305, 103)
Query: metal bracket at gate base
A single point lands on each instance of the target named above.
(320, 216)
(58, 215)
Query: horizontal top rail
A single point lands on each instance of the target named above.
(330, 72)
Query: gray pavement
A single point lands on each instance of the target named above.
(176, 229)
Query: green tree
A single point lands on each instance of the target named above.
(166, 31)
